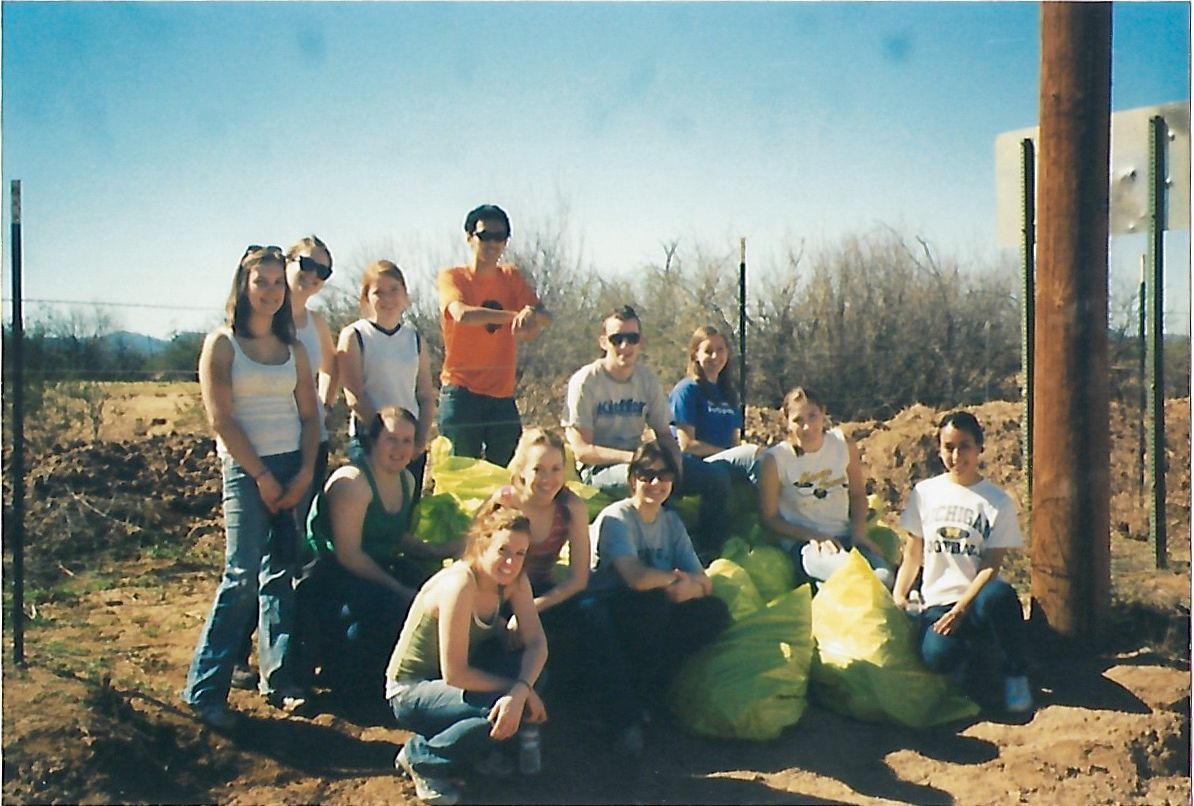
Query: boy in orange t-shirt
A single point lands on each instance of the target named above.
(484, 308)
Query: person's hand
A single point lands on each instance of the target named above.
(523, 325)
(948, 623)
(270, 491)
(825, 545)
(295, 490)
(900, 599)
(536, 711)
(506, 713)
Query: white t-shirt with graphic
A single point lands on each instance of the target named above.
(957, 524)
(814, 492)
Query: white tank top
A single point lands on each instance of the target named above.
(263, 403)
(813, 489)
(309, 337)
(389, 365)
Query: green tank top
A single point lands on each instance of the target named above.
(416, 655)
(380, 533)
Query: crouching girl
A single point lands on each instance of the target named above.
(960, 527)
(448, 680)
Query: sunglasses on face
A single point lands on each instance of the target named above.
(491, 236)
(649, 475)
(617, 339)
(310, 264)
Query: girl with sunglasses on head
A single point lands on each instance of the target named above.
(707, 421)
(960, 527)
(382, 362)
(812, 492)
(449, 681)
(255, 381)
(649, 604)
(308, 267)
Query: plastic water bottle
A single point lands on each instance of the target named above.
(915, 606)
(530, 759)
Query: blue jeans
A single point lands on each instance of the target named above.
(450, 726)
(821, 567)
(710, 478)
(259, 558)
(479, 426)
(995, 614)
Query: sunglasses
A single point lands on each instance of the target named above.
(310, 264)
(252, 250)
(649, 475)
(491, 236)
(616, 339)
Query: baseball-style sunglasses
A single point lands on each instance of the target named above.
(311, 264)
(616, 339)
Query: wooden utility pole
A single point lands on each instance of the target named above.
(1070, 414)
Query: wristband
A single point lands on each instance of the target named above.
(525, 683)
(262, 473)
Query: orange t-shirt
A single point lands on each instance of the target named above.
(481, 358)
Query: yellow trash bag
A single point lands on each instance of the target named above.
(769, 567)
(866, 664)
(884, 537)
(751, 682)
(734, 586)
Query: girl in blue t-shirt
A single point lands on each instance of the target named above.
(707, 421)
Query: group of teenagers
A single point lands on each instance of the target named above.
(327, 572)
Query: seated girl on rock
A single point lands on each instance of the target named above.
(812, 492)
(369, 566)
(960, 527)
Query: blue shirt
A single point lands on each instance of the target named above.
(713, 419)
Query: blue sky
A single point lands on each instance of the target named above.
(154, 141)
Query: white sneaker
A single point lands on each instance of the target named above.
(431, 791)
(1017, 694)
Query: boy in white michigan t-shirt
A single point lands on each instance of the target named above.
(960, 527)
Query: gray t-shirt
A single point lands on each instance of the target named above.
(615, 411)
(619, 531)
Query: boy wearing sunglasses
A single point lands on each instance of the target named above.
(485, 307)
(610, 400)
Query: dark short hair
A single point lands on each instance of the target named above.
(648, 453)
(392, 413)
(623, 314)
(486, 212)
(963, 421)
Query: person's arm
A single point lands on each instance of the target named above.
(348, 495)
(215, 385)
(769, 507)
(425, 395)
(914, 550)
(641, 577)
(329, 384)
(351, 372)
(309, 413)
(578, 556)
(987, 570)
(588, 453)
(508, 711)
(477, 316)
(686, 437)
(856, 484)
(455, 597)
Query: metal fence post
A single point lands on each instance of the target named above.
(16, 529)
(1156, 337)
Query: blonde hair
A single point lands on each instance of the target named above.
(493, 518)
(374, 272)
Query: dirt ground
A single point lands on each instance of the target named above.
(125, 550)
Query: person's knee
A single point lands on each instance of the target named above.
(997, 597)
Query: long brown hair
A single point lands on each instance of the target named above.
(725, 383)
(238, 308)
